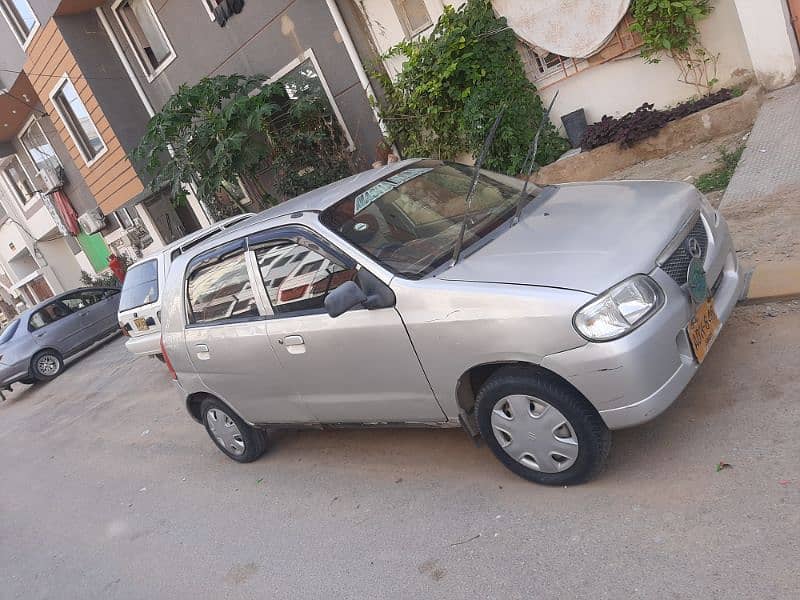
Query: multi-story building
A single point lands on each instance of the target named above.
(79, 79)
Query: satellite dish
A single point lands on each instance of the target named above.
(571, 28)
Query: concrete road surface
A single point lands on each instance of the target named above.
(108, 490)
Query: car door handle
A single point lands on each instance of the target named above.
(202, 351)
(294, 344)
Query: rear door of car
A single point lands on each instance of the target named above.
(226, 339)
(139, 301)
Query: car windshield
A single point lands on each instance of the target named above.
(141, 285)
(9, 331)
(410, 220)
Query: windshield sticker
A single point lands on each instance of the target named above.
(364, 199)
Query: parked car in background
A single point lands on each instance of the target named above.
(591, 312)
(140, 305)
(34, 346)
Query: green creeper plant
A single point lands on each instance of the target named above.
(453, 84)
(669, 27)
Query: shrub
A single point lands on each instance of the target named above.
(719, 178)
(452, 86)
(644, 122)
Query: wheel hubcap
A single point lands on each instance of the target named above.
(534, 433)
(225, 431)
(47, 365)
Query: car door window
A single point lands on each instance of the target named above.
(75, 302)
(49, 314)
(90, 297)
(299, 284)
(221, 291)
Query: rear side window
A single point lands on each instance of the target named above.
(141, 286)
(221, 292)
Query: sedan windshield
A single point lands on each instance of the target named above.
(410, 220)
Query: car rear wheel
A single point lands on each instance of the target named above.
(540, 428)
(238, 440)
(46, 365)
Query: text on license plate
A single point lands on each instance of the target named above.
(703, 329)
(141, 324)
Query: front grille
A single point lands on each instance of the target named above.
(677, 265)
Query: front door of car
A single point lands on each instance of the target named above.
(226, 339)
(56, 326)
(357, 368)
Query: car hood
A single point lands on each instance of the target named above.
(582, 236)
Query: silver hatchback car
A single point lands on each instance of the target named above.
(349, 305)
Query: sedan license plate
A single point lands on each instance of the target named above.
(703, 329)
(141, 324)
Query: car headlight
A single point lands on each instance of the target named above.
(620, 310)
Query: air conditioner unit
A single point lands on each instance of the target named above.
(52, 178)
(92, 221)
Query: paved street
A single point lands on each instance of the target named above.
(109, 490)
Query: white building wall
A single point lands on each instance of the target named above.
(622, 85)
(771, 41)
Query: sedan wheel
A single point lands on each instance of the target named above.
(46, 365)
(534, 433)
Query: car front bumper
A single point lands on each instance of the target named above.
(635, 378)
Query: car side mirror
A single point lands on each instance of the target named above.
(343, 298)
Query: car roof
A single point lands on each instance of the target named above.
(195, 237)
(47, 301)
(316, 200)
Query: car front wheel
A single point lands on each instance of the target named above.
(540, 428)
(238, 440)
(46, 365)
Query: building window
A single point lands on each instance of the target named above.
(124, 218)
(303, 77)
(145, 34)
(547, 68)
(18, 180)
(38, 147)
(21, 19)
(413, 15)
(76, 118)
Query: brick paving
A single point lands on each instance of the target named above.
(771, 161)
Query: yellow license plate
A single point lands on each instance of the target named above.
(141, 324)
(703, 329)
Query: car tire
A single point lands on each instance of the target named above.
(46, 365)
(519, 412)
(238, 440)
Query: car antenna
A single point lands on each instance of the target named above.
(530, 159)
(487, 143)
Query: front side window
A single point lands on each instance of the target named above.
(49, 314)
(221, 292)
(38, 147)
(140, 286)
(21, 19)
(145, 34)
(409, 221)
(299, 285)
(18, 180)
(73, 113)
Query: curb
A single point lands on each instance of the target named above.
(771, 281)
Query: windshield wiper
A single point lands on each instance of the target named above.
(487, 143)
(530, 160)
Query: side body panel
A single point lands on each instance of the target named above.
(455, 326)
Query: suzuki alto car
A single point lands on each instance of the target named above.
(349, 306)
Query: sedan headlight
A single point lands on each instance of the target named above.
(620, 310)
